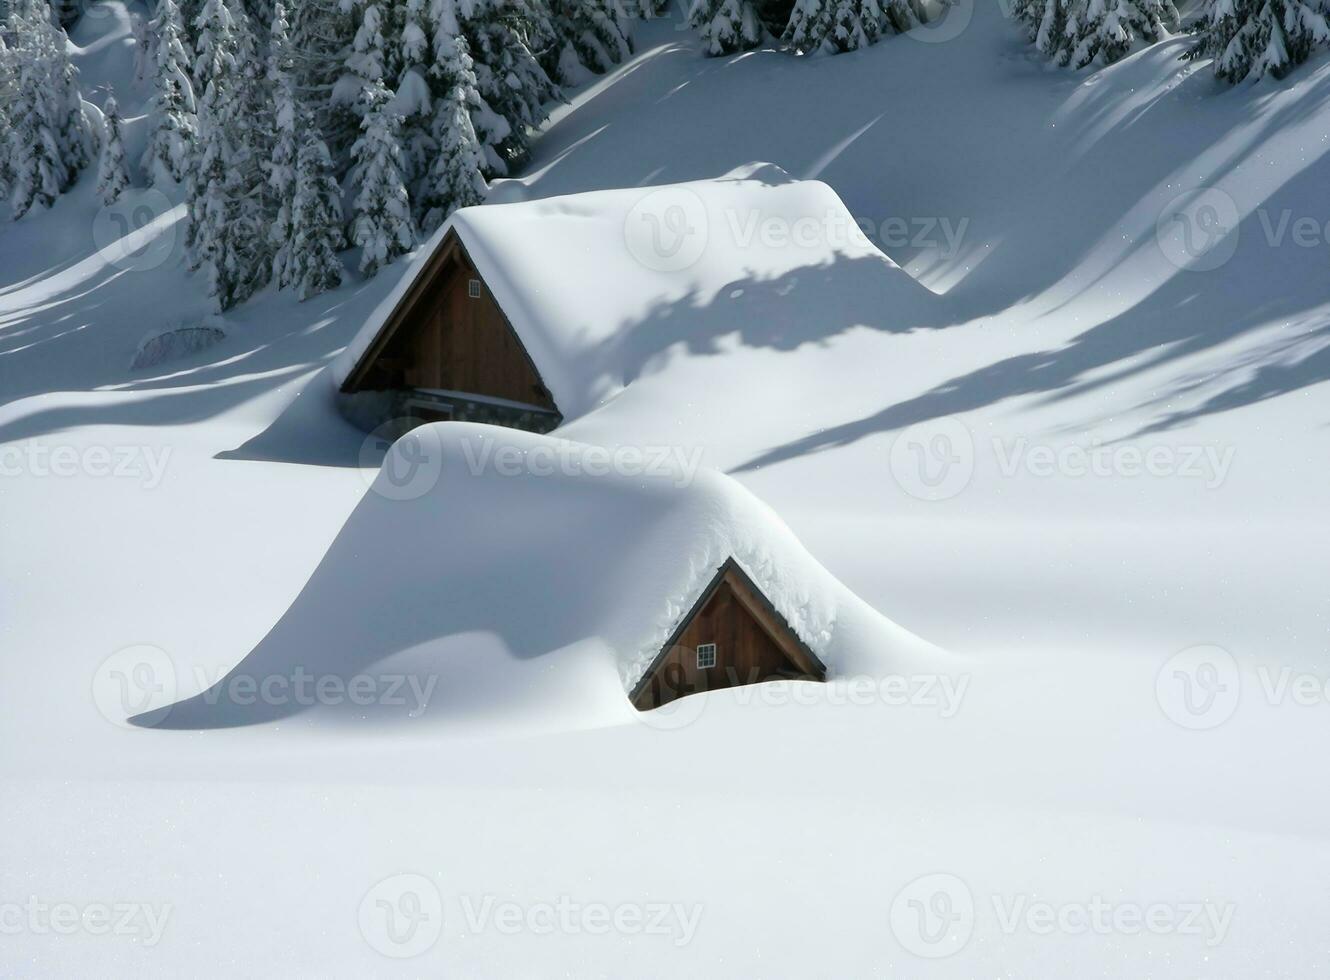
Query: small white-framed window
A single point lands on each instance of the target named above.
(473, 288)
(706, 656)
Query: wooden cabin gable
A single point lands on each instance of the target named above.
(450, 334)
(731, 638)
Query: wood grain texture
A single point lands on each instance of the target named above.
(753, 644)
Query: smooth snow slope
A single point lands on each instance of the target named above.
(1051, 771)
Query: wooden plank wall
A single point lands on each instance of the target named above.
(745, 653)
(457, 343)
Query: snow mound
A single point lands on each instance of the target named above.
(689, 260)
(535, 577)
(174, 343)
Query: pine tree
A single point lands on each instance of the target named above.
(456, 180)
(1249, 39)
(48, 133)
(453, 65)
(726, 26)
(594, 34)
(215, 43)
(1106, 30)
(833, 26)
(73, 133)
(316, 218)
(321, 37)
(112, 177)
(1045, 23)
(500, 35)
(370, 50)
(175, 125)
(382, 226)
(227, 223)
(8, 97)
(281, 168)
(649, 9)
(414, 97)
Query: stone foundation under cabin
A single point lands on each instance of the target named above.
(405, 408)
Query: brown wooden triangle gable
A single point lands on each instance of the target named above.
(752, 643)
(449, 333)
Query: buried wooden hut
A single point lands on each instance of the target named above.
(732, 636)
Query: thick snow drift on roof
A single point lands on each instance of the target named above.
(536, 578)
(580, 275)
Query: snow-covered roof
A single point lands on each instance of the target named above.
(577, 275)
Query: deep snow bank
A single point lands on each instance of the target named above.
(528, 574)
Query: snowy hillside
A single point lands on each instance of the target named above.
(1053, 513)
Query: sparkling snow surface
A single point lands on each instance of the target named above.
(1088, 475)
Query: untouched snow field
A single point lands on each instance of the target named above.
(1064, 529)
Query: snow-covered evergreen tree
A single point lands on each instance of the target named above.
(228, 231)
(595, 34)
(175, 126)
(70, 121)
(649, 9)
(259, 11)
(1105, 30)
(456, 180)
(726, 26)
(48, 134)
(371, 48)
(1083, 32)
(112, 177)
(321, 36)
(215, 42)
(453, 65)
(832, 26)
(1045, 23)
(414, 98)
(500, 35)
(316, 218)
(8, 97)
(1249, 39)
(281, 168)
(382, 226)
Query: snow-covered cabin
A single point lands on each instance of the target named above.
(732, 635)
(529, 313)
